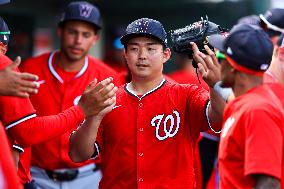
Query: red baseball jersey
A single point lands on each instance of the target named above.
(60, 90)
(8, 174)
(252, 137)
(149, 141)
(185, 77)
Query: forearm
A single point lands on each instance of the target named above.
(39, 129)
(217, 105)
(265, 181)
(82, 142)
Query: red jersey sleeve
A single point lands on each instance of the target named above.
(264, 143)
(4, 61)
(197, 101)
(8, 174)
(39, 129)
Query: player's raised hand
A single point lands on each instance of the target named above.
(208, 65)
(98, 98)
(13, 83)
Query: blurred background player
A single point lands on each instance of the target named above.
(272, 23)
(64, 75)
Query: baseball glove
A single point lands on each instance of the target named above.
(197, 32)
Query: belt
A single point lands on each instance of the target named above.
(69, 174)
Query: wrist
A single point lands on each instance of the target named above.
(224, 93)
(81, 110)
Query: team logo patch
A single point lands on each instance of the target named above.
(85, 10)
(167, 126)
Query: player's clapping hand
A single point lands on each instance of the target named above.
(98, 98)
(208, 65)
(13, 83)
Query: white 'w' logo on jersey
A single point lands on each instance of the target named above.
(170, 125)
(85, 10)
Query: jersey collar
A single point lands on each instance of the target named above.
(127, 88)
(57, 76)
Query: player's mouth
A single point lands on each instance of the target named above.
(76, 50)
(142, 65)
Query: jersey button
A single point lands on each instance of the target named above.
(140, 105)
(140, 180)
(141, 154)
(141, 129)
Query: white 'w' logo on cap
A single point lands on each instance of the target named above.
(85, 10)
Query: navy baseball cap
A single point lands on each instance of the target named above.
(273, 21)
(84, 11)
(4, 32)
(145, 27)
(247, 47)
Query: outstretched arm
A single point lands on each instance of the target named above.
(266, 181)
(210, 71)
(82, 141)
(93, 100)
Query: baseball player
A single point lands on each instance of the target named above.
(12, 82)
(251, 146)
(64, 75)
(147, 139)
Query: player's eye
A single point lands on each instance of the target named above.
(71, 32)
(134, 49)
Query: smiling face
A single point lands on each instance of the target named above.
(77, 38)
(145, 57)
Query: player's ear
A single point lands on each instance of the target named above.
(95, 38)
(166, 54)
(280, 53)
(124, 53)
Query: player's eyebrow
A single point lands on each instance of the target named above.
(150, 43)
(153, 43)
